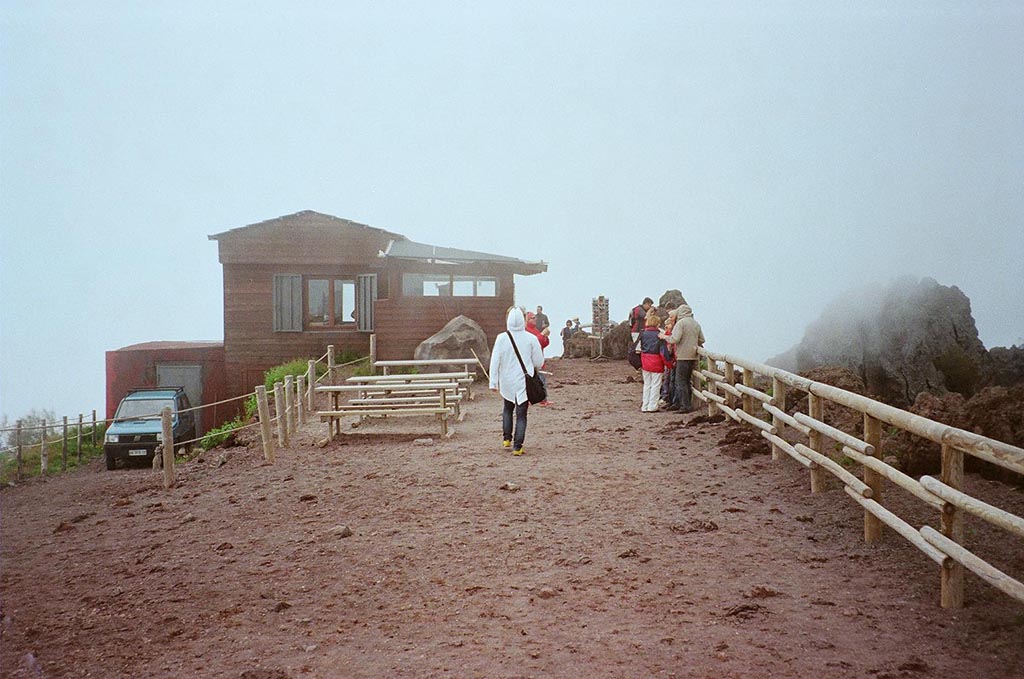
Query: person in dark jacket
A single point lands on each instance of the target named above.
(668, 379)
(542, 321)
(638, 316)
(567, 333)
(652, 362)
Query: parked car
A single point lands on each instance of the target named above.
(137, 428)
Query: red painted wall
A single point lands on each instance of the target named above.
(135, 366)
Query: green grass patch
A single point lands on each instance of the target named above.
(219, 435)
(32, 455)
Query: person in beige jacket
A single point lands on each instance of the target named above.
(686, 336)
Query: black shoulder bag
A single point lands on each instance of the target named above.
(535, 389)
(632, 355)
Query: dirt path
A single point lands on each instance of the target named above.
(630, 546)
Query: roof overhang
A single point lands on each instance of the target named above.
(411, 251)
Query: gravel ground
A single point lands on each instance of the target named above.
(621, 545)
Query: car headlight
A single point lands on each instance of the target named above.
(110, 438)
(159, 437)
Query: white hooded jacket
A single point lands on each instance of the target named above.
(506, 373)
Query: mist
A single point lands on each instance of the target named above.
(761, 160)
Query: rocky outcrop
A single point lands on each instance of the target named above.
(1005, 367)
(675, 297)
(455, 340)
(579, 346)
(913, 336)
(995, 412)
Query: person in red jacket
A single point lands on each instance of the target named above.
(652, 362)
(542, 337)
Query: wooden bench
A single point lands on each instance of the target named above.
(463, 378)
(441, 399)
(426, 362)
(372, 390)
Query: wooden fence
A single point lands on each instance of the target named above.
(741, 401)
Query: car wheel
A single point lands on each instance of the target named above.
(111, 461)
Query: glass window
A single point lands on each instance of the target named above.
(434, 285)
(426, 285)
(143, 408)
(464, 286)
(487, 287)
(344, 302)
(318, 303)
(330, 302)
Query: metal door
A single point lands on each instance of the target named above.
(188, 376)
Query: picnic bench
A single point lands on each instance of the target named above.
(385, 366)
(438, 394)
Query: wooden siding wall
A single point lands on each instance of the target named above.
(250, 344)
(403, 322)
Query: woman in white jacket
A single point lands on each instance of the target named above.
(507, 376)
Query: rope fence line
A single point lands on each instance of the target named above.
(293, 395)
(126, 419)
(218, 403)
(744, 403)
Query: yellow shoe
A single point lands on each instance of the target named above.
(506, 444)
(518, 451)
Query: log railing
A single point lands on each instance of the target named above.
(739, 400)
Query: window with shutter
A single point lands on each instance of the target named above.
(287, 303)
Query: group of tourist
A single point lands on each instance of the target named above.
(668, 354)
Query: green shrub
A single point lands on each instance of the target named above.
(251, 407)
(219, 435)
(293, 368)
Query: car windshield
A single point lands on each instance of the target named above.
(142, 408)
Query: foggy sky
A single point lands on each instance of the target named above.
(762, 161)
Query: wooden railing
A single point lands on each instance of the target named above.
(742, 402)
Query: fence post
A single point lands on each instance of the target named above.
(44, 453)
(281, 416)
(779, 394)
(330, 363)
(748, 401)
(712, 368)
(873, 436)
(289, 402)
(264, 410)
(373, 353)
(311, 382)
(168, 445)
(17, 437)
(815, 408)
(94, 428)
(79, 437)
(730, 377)
(300, 398)
(64, 447)
(952, 527)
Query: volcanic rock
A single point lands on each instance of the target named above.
(455, 340)
(673, 296)
(913, 336)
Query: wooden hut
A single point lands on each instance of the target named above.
(295, 284)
